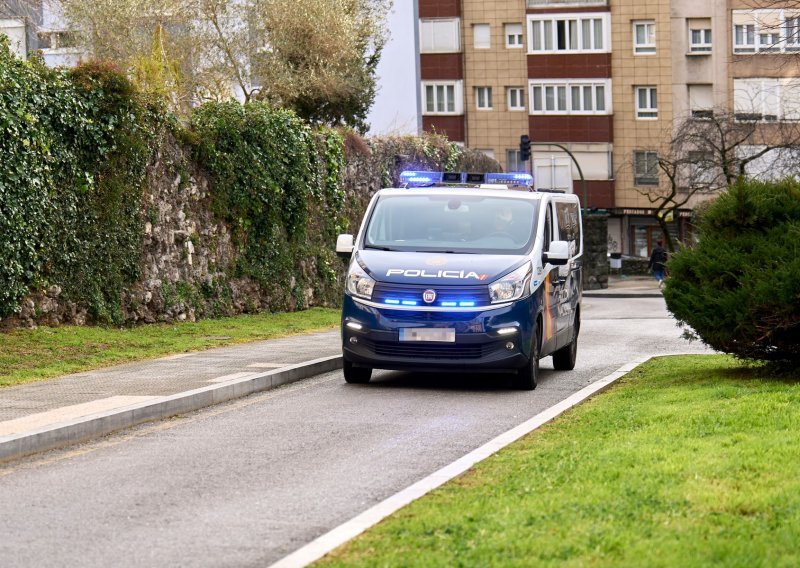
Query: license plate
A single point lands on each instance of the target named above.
(444, 334)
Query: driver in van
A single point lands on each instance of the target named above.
(503, 219)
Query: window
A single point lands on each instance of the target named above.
(645, 168)
(701, 170)
(578, 97)
(766, 99)
(483, 98)
(769, 41)
(516, 98)
(481, 34)
(791, 28)
(770, 30)
(513, 161)
(646, 103)
(644, 38)
(440, 36)
(513, 33)
(744, 38)
(701, 101)
(699, 39)
(569, 226)
(442, 97)
(572, 32)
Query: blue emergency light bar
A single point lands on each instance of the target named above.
(426, 179)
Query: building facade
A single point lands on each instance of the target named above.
(600, 88)
(39, 25)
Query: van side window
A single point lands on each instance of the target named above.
(569, 227)
(548, 228)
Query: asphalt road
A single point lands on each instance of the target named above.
(245, 483)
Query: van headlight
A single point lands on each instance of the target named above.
(512, 286)
(359, 283)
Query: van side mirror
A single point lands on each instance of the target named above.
(344, 246)
(558, 254)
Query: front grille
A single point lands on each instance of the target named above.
(418, 350)
(422, 316)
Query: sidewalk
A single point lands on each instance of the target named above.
(48, 414)
(75, 408)
(622, 286)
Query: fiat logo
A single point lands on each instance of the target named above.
(428, 296)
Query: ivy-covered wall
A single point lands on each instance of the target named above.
(73, 151)
(111, 211)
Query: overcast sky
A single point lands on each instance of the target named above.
(395, 108)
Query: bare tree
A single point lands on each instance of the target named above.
(303, 54)
(705, 156)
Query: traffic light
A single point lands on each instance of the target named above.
(524, 148)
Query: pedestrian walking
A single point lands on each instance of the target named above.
(658, 262)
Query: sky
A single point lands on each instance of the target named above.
(395, 108)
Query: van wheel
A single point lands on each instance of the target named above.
(357, 375)
(564, 358)
(527, 377)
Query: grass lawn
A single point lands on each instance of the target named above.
(30, 355)
(687, 461)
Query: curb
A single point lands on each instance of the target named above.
(338, 536)
(103, 423)
(622, 294)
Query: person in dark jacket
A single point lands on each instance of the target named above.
(658, 262)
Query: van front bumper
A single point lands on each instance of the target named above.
(371, 337)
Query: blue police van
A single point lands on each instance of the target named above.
(463, 272)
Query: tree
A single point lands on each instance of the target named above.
(708, 154)
(738, 288)
(317, 57)
(322, 57)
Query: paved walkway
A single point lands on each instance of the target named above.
(627, 286)
(33, 416)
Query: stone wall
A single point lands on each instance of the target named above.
(188, 256)
(595, 251)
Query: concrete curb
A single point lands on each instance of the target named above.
(103, 423)
(590, 294)
(331, 540)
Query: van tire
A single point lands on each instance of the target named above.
(528, 376)
(355, 375)
(564, 359)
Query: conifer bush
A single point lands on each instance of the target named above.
(738, 288)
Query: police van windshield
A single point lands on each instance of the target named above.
(456, 224)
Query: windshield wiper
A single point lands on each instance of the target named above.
(373, 247)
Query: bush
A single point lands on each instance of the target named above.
(273, 179)
(739, 287)
(73, 150)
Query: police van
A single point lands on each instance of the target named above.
(463, 272)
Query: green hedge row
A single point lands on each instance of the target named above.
(75, 151)
(270, 173)
(74, 147)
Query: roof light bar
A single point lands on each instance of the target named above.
(425, 179)
(520, 179)
(417, 179)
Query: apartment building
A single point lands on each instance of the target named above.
(39, 25)
(600, 88)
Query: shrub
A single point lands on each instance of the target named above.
(739, 287)
(74, 146)
(273, 180)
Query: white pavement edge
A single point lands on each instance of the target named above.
(321, 546)
(99, 424)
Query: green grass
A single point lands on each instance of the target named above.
(31, 355)
(687, 461)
